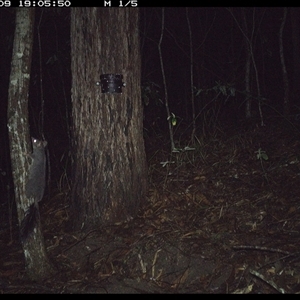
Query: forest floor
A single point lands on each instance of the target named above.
(221, 217)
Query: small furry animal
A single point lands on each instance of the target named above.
(35, 186)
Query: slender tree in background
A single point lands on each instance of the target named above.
(169, 117)
(250, 35)
(247, 85)
(295, 13)
(191, 77)
(110, 174)
(286, 100)
(37, 264)
(248, 65)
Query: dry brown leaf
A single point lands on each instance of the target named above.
(180, 279)
(200, 178)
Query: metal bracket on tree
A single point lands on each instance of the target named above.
(111, 83)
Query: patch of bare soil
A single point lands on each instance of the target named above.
(221, 217)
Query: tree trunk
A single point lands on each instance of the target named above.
(286, 99)
(295, 14)
(247, 82)
(110, 165)
(192, 95)
(37, 264)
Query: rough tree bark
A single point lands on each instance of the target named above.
(37, 264)
(110, 165)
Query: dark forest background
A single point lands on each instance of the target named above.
(222, 209)
(219, 66)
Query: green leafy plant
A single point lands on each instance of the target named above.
(173, 119)
(261, 154)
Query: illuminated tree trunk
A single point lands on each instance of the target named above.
(36, 262)
(109, 156)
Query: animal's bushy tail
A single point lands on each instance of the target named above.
(29, 222)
